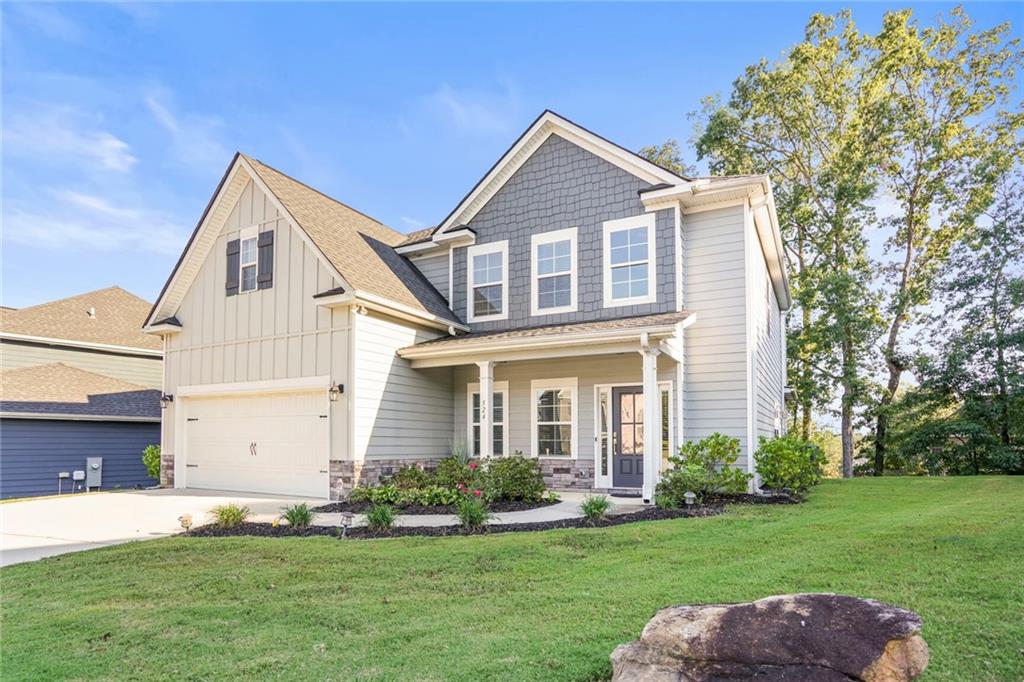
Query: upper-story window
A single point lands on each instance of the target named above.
(629, 261)
(553, 264)
(487, 281)
(248, 261)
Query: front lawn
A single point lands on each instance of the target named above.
(531, 606)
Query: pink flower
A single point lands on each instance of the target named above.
(472, 466)
(461, 486)
(477, 493)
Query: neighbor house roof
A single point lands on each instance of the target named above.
(418, 236)
(61, 390)
(110, 316)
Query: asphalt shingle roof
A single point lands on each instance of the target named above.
(117, 320)
(60, 389)
(361, 248)
(418, 236)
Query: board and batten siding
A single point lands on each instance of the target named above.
(619, 369)
(435, 269)
(267, 334)
(715, 352)
(144, 370)
(398, 412)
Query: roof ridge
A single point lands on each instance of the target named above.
(74, 296)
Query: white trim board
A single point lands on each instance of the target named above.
(539, 239)
(571, 383)
(499, 387)
(269, 386)
(48, 341)
(608, 227)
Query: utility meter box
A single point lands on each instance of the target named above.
(93, 472)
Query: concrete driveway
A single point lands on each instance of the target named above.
(33, 529)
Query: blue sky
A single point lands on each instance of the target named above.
(118, 119)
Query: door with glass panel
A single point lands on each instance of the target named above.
(628, 437)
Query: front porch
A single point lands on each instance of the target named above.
(598, 404)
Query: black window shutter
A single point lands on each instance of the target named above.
(231, 285)
(265, 244)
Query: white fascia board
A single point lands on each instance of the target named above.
(77, 417)
(128, 350)
(384, 305)
(268, 386)
(161, 329)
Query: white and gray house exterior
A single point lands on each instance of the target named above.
(581, 305)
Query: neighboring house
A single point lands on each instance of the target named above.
(78, 379)
(581, 305)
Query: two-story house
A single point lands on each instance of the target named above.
(78, 379)
(580, 305)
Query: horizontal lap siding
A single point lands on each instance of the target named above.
(399, 411)
(34, 451)
(435, 269)
(769, 363)
(715, 397)
(144, 371)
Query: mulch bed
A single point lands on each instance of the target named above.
(747, 498)
(417, 509)
(363, 533)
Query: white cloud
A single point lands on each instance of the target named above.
(474, 112)
(413, 223)
(55, 131)
(194, 139)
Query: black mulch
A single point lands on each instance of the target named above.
(417, 509)
(747, 498)
(363, 533)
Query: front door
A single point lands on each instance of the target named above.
(628, 437)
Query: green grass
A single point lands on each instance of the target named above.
(540, 606)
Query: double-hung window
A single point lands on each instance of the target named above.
(499, 430)
(248, 260)
(629, 261)
(553, 265)
(487, 282)
(554, 417)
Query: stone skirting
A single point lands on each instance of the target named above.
(166, 470)
(346, 474)
(568, 473)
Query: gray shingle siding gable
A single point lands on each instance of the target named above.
(561, 186)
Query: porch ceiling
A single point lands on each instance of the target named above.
(548, 341)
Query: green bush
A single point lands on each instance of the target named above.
(513, 478)
(429, 496)
(298, 515)
(230, 515)
(408, 478)
(703, 468)
(595, 507)
(151, 459)
(452, 471)
(472, 512)
(382, 494)
(381, 517)
(788, 463)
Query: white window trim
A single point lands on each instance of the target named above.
(499, 387)
(673, 441)
(536, 240)
(248, 233)
(571, 383)
(480, 250)
(647, 220)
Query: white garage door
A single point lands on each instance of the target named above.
(269, 443)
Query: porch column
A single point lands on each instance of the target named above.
(486, 395)
(652, 423)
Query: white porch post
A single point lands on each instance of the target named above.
(486, 395)
(652, 423)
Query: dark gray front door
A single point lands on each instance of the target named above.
(628, 437)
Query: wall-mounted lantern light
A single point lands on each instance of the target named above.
(165, 400)
(336, 391)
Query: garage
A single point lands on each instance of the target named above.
(269, 442)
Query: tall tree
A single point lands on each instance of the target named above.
(815, 122)
(946, 146)
(668, 156)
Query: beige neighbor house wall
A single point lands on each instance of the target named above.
(269, 334)
(145, 370)
(716, 350)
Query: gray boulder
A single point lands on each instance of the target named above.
(789, 637)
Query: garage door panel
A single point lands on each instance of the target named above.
(274, 443)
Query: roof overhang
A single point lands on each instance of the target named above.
(76, 417)
(373, 302)
(755, 192)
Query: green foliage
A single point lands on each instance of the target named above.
(513, 478)
(381, 494)
(410, 477)
(668, 156)
(151, 459)
(472, 512)
(703, 468)
(453, 471)
(595, 507)
(230, 515)
(298, 515)
(788, 463)
(381, 517)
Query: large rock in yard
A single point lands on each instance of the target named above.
(790, 637)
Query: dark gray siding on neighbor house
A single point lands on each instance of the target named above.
(34, 451)
(561, 186)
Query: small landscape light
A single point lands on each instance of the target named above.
(186, 521)
(689, 497)
(346, 522)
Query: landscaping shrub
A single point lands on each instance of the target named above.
(408, 478)
(788, 463)
(230, 515)
(298, 515)
(472, 511)
(451, 471)
(381, 517)
(514, 478)
(595, 507)
(151, 460)
(381, 494)
(703, 468)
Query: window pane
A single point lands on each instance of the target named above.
(619, 255)
(554, 440)
(476, 408)
(629, 281)
(476, 440)
(554, 405)
(554, 257)
(554, 292)
(248, 278)
(604, 432)
(619, 238)
(498, 444)
(498, 408)
(487, 300)
(487, 268)
(665, 436)
(248, 250)
(620, 290)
